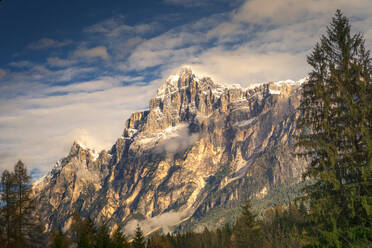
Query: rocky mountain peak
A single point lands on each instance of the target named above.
(185, 78)
(200, 147)
(79, 149)
(75, 148)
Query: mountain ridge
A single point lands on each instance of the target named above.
(199, 146)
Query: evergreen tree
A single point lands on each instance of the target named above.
(59, 240)
(336, 136)
(102, 239)
(8, 208)
(158, 240)
(119, 240)
(139, 239)
(22, 226)
(83, 231)
(247, 232)
(281, 227)
(28, 230)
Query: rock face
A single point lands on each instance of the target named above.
(201, 146)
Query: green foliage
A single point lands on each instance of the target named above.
(336, 135)
(84, 233)
(8, 209)
(159, 241)
(139, 239)
(283, 227)
(119, 240)
(247, 231)
(59, 240)
(102, 239)
(21, 224)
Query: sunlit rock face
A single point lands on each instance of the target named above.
(200, 146)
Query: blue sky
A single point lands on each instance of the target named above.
(76, 69)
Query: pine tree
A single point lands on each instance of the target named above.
(83, 232)
(28, 230)
(139, 239)
(102, 237)
(119, 240)
(8, 208)
(336, 136)
(23, 227)
(247, 231)
(59, 240)
(22, 185)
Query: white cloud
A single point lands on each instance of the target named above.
(289, 11)
(164, 221)
(46, 43)
(115, 26)
(262, 40)
(95, 52)
(199, 3)
(246, 67)
(21, 64)
(41, 128)
(58, 62)
(2, 73)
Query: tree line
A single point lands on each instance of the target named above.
(335, 137)
(20, 225)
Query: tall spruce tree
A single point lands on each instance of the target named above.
(139, 239)
(119, 240)
(22, 225)
(59, 240)
(247, 232)
(336, 136)
(7, 213)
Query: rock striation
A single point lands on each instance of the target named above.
(201, 146)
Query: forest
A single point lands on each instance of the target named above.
(335, 209)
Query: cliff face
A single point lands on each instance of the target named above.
(200, 146)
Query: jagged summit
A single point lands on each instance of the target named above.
(79, 147)
(200, 146)
(182, 80)
(185, 76)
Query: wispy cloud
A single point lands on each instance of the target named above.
(165, 221)
(21, 64)
(250, 44)
(2, 73)
(58, 62)
(46, 43)
(88, 53)
(198, 3)
(40, 127)
(116, 26)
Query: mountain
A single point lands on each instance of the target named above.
(189, 161)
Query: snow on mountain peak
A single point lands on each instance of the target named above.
(85, 147)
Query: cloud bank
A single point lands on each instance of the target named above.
(163, 221)
(85, 89)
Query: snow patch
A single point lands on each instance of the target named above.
(170, 132)
(244, 123)
(132, 132)
(241, 108)
(94, 154)
(39, 183)
(274, 92)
